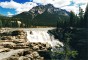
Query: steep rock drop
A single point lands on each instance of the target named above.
(43, 37)
(33, 43)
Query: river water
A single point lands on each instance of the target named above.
(40, 35)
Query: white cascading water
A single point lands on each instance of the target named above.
(43, 37)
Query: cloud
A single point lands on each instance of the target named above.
(9, 14)
(83, 7)
(11, 4)
(80, 1)
(26, 7)
(39, 1)
(56, 3)
(19, 7)
(64, 4)
(75, 9)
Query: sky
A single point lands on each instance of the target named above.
(13, 7)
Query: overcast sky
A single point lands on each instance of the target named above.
(12, 7)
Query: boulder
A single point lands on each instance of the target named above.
(10, 55)
(18, 32)
(4, 50)
(35, 54)
(11, 58)
(1, 47)
(36, 47)
(24, 58)
(6, 38)
(21, 37)
(29, 56)
(8, 44)
(16, 47)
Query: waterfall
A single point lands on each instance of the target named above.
(43, 37)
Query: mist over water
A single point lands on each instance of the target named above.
(41, 35)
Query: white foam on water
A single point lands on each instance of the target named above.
(43, 37)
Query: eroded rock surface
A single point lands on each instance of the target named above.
(14, 46)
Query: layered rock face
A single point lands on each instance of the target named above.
(14, 46)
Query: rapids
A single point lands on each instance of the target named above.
(43, 37)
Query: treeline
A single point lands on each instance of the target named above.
(79, 21)
(78, 39)
(8, 22)
(47, 19)
(74, 37)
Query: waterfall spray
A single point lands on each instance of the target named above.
(43, 37)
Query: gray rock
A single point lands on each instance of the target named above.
(35, 54)
(24, 58)
(36, 47)
(4, 50)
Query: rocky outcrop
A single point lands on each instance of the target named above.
(16, 47)
(43, 16)
(14, 35)
(23, 54)
(4, 49)
(30, 51)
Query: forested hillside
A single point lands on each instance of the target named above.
(74, 36)
(43, 15)
(46, 15)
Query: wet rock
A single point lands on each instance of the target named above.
(29, 56)
(11, 58)
(24, 58)
(36, 47)
(35, 54)
(18, 32)
(16, 41)
(16, 47)
(1, 47)
(7, 44)
(48, 47)
(15, 33)
(5, 33)
(27, 51)
(10, 55)
(4, 50)
(21, 37)
(41, 58)
(31, 32)
(6, 38)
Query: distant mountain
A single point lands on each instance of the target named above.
(1, 16)
(43, 15)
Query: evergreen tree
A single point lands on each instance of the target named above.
(77, 21)
(86, 17)
(81, 14)
(0, 23)
(72, 19)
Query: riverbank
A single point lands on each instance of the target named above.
(14, 46)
